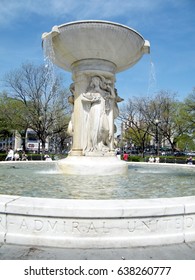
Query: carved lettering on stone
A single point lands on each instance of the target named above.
(1, 223)
(38, 225)
(52, 226)
(24, 225)
(179, 223)
(105, 227)
(91, 228)
(75, 227)
(189, 222)
(153, 225)
(166, 223)
(140, 225)
(64, 227)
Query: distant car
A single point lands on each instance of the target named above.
(132, 152)
(167, 153)
(192, 154)
(179, 154)
(151, 152)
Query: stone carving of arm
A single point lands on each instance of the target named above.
(89, 97)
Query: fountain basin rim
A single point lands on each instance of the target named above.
(86, 208)
(128, 163)
(96, 224)
(100, 21)
(55, 28)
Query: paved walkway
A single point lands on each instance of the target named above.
(167, 252)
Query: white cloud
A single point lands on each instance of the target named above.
(9, 11)
(12, 10)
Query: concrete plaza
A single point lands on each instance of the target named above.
(183, 251)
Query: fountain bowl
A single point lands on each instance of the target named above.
(99, 40)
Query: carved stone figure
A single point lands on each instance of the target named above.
(70, 129)
(100, 110)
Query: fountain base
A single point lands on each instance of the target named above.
(93, 165)
(70, 223)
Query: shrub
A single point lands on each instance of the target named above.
(2, 156)
(135, 158)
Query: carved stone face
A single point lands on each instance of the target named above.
(95, 82)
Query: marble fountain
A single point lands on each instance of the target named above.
(94, 52)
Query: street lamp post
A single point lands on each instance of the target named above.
(157, 136)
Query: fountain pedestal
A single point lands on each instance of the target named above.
(101, 159)
(92, 75)
(93, 165)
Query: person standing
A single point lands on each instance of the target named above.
(16, 156)
(10, 155)
(189, 161)
(125, 156)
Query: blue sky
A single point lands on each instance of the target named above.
(169, 25)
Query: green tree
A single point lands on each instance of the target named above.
(187, 115)
(165, 108)
(136, 127)
(190, 112)
(186, 143)
(143, 113)
(12, 117)
(44, 98)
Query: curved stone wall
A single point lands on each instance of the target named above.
(96, 223)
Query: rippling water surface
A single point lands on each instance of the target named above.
(38, 179)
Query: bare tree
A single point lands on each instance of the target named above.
(45, 99)
(143, 113)
(137, 127)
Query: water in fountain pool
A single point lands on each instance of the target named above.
(143, 181)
